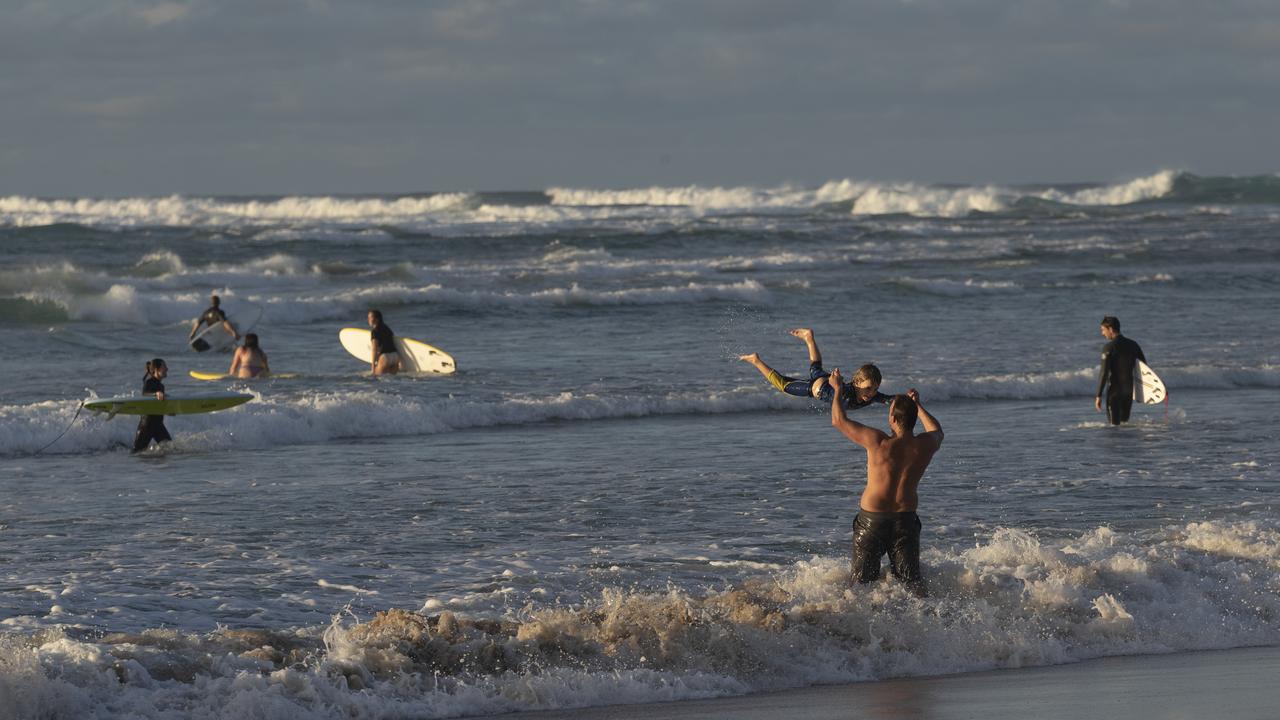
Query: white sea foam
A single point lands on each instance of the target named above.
(1144, 188)
(1012, 599)
(359, 219)
(910, 199)
(203, 212)
(957, 288)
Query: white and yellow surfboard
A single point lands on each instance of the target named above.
(415, 356)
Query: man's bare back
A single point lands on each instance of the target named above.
(887, 522)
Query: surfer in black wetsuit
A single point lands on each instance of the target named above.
(211, 317)
(386, 358)
(151, 427)
(1120, 358)
(861, 391)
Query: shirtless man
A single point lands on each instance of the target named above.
(887, 520)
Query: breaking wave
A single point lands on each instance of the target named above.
(1012, 599)
(469, 212)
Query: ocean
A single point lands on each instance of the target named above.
(604, 505)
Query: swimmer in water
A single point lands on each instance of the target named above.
(249, 361)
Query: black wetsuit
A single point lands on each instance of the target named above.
(213, 316)
(210, 317)
(150, 427)
(384, 340)
(894, 533)
(1119, 367)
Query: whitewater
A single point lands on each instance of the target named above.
(604, 505)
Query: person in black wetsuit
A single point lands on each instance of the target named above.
(211, 316)
(151, 427)
(861, 391)
(386, 359)
(1120, 358)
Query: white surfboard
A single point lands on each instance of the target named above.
(216, 338)
(1149, 388)
(415, 356)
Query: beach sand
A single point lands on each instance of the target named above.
(1240, 684)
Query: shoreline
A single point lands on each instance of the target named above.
(1239, 683)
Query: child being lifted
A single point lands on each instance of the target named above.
(862, 390)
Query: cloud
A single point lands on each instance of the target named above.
(162, 14)
(459, 94)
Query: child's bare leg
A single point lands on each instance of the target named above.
(806, 334)
(757, 363)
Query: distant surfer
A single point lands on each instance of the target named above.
(887, 520)
(249, 361)
(151, 427)
(1120, 358)
(386, 359)
(862, 391)
(210, 317)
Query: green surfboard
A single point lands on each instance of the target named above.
(187, 405)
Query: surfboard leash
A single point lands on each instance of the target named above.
(64, 432)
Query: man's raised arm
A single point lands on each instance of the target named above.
(931, 424)
(855, 431)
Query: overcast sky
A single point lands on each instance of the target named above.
(123, 97)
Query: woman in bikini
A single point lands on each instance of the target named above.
(249, 360)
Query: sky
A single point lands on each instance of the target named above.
(139, 97)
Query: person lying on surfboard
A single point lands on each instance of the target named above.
(212, 316)
(386, 358)
(249, 360)
(151, 427)
(862, 390)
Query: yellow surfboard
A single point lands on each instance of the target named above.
(188, 405)
(224, 376)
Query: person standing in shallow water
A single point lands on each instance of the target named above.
(151, 427)
(1120, 358)
(250, 361)
(212, 316)
(382, 341)
(887, 522)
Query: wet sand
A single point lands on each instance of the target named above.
(1241, 684)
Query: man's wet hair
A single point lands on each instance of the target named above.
(1112, 322)
(867, 375)
(215, 300)
(377, 315)
(904, 411)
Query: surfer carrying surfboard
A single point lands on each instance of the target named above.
(863, 390)
(382, 341)
(887, 522)
(210, 317)
(1120, 358)
(249, 360)
(151, 427)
